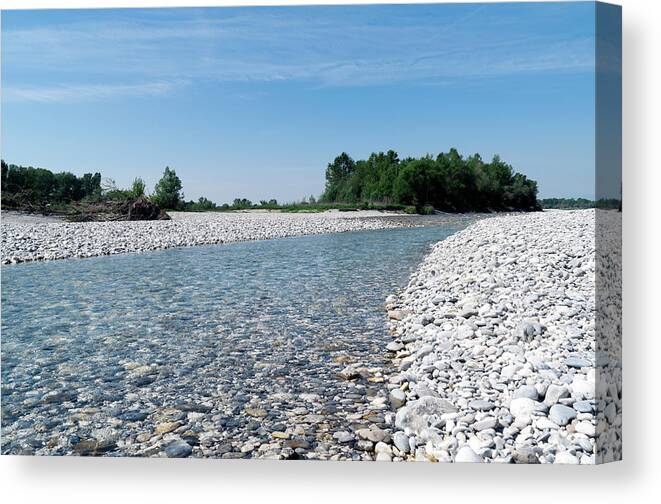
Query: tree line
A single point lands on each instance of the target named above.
(580, 203)
(29, 186)
(38, 185)
(447, 182)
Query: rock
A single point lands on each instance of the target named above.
(561, 414)
(466, 454)
(364, 445)
(565, 458)
(349, 373)
(526, 391)
(178, 449)
(279, 435)
(527, 331)
(582, 389)
(343, 437)
(554, 393)
(485, 423)
(481, 405)
(93, 447)
(256, 412)
(397, 314)
(401, 442)
(397, 398)
(523, 407)
(610, 412)
(585, 427)
(577, 362)
(297, 443)
(424, 391)
(382, 447)
(394, 346)
(373, 434)
(165, 427)
(525, 454)
(417, 416)
(584, 406)
(544, 423)
(133, 416)
(425, 350)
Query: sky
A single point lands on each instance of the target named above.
(255, 102)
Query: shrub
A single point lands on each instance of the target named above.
(167, 193)
(138, 187)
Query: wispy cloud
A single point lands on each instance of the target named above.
(325, 47)
(78, 93)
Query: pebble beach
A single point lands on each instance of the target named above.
(494, 345)
(27, 238)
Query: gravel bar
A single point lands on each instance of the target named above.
(28, 241)
(494, 345)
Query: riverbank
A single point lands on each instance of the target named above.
(24, 240)
(494, 342)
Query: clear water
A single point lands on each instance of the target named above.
(230, 325)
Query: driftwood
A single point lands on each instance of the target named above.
(129, 210)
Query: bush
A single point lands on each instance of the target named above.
(138, 187)
(167, 193)
(201, 205)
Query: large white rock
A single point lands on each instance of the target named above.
(523, 407)
(418, 416)
(466, 454)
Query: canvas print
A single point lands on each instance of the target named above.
(339, 233)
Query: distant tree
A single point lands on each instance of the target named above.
(201, 205)
(41, 186)
(108, 184)
(273, 202)
(68, 187)
(167, 193)
(138, 187)
(448, 182)
(337, 173)
(241, 203)
(568, 203)
(5, 171)
(91, 185)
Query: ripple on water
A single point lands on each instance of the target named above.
(233, 349)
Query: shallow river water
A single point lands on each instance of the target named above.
(232, 350)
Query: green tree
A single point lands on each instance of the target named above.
(5, 171)
(337, 174)
(91, 185)
(137, 187)
(242, 203)
(167, 193)
(68, 187)
(448, 182)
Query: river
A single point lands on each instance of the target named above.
(234, 349)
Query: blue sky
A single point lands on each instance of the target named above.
(254, 102)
